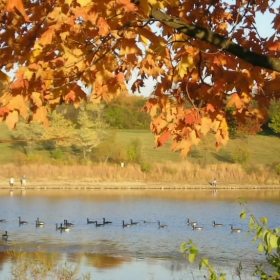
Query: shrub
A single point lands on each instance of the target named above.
(57, 154)
(242, 155)
(146, 167)
(277, 169)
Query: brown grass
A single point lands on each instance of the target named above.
(167, 173)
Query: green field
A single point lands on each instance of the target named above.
(265, 149)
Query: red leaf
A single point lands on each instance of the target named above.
(4, 111)
(163, 138)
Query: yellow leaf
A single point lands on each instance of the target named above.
(40, 115)
(178, 40)
(34, 54)
(28, 74)
(4, 78)
(103, 76)
(12, 119)
(18, 103)
(184, 65)
(36, 98)
(84, 2)
(129, 47)
(193, 138)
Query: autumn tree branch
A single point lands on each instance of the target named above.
(215, 39)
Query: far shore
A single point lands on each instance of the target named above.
(137, 185)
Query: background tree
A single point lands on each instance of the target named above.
(124, 113)
(91, 128)
(61, 131)
(26, 132)
(201, 55)
(274, 114)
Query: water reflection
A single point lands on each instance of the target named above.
(118, 249)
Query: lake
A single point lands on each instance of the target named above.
(142, 251)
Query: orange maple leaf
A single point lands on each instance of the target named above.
(47, 36)
(210, 107)
(234, 100)
(127, 5)
(18, 5)
(104, 28)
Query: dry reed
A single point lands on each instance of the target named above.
(225, 173)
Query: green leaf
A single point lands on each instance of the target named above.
(192, 258)
(273, 241)
(243, 215)
(264, 221)
(260, 248)
(183, 247)
(205, 262)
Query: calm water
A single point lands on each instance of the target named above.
(138, 252)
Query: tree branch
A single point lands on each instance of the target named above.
(215, 39)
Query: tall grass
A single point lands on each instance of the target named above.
(168, 172)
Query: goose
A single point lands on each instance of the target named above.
(106, 222)
(98, 225)
(161, 226)
(5, 235)
(62, 228)
(39, 223)
(90, 222)
(146, 222)
(2, 221)
(235, 229)
(216, 225)
(21, 222)
(68, 224)
(57, 227)
(125, 225)
(196, 228)
(134, 223)
(191, 223)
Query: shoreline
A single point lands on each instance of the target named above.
(126, 185)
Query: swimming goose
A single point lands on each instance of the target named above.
(68, 224)
(216, 225)
(90, 222)
(58, 227)
(21, 222)
(125, 225)
(146, 222)
(98, 225)
(161, 226)
(39, 223)
(196, 228)
(62, 228)
(2, 221)
(235, 229)
(191, 223)
(134, 223)
(106, 222)
(5, 235)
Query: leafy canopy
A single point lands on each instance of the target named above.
(203, 56)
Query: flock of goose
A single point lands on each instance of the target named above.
(65, 226)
